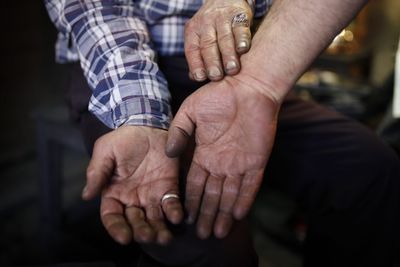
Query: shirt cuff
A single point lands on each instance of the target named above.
(143, 111)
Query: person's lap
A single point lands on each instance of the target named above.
(347, 180)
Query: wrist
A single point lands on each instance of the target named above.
(266, 80)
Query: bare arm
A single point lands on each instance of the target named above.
(292, 35)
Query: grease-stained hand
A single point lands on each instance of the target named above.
(234, 126)
(130, 169)
(213, 44)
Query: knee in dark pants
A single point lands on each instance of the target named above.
(186, 249)
(354, 214)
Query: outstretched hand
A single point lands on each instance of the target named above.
(131, 170)
(234, 126)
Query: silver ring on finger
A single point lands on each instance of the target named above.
(168, 196)
(241, 19)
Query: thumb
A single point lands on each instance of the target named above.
(181, 129)
(99, 171)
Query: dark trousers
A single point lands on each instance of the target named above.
(346, 179)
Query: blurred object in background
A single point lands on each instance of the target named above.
(389, 128)
(350, 76)
(350, 52)
(335, 91)
(353, 38)
(396, 94)
(339, 77)
(385, 30)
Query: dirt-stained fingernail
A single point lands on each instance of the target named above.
(214, 72)
(231, 65)
(199, 74)
(243, 45)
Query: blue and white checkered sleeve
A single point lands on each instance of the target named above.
(117, 58)
(262, 7)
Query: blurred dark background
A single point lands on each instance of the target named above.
(42, 163)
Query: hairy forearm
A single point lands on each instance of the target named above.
(290, 37)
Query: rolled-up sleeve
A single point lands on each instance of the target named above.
(116, 54)
(261, 7)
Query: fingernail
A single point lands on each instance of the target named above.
(203, 233)
(123, 239)
(242, 45)
(231, 65)
(189, 219)
(146, 236)
(220, 233)
(164, 237)
(199, 74)
(169, 148)
(177, 217)
(85, 191)
(214, 72)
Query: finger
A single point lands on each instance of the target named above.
(241, 31)
(99, 171)
(226, 44)
(179, 133)
(111, 212)
(248, 190)
(155, 219)
(209, 206)
(210, 53)
(223, 224)
(193, 54)
(142, 231)
(224, 219)
(195, 183)
(172, 208)
(191, 76)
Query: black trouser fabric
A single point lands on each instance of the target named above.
(346, 179)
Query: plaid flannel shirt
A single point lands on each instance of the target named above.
(116, 43)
